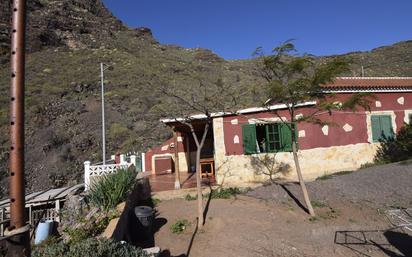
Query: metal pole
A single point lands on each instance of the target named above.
(103, 125)
(18, 243)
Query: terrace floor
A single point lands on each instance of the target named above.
(166, 181)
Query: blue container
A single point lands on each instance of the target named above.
(44, 230)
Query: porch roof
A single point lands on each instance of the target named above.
(238, 112)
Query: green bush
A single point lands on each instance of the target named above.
(188, 197)
(90, 228)
(179, 226)
(396, 149)
(111, 190)
(225, 193)
(222, 193)
(156, 201)
(325, 177)
(318, 204)
(91, 247)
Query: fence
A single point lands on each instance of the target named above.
(36, 213)
(4, 220)
(92, 172)
(45, 214)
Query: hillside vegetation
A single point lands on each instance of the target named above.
(66, 42)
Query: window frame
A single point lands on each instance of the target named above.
(274, 138)
(380, 118)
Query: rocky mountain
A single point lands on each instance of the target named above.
(66, 41)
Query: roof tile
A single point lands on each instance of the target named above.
(370, 82)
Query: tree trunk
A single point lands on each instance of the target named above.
(301, 182)
(199, 190)
(199, 145)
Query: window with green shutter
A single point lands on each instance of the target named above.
(272, 137)
(249, 138)
(381, 127)
(263, 138)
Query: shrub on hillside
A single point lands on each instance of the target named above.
(110, 190)
(89, 247)
(396, 149)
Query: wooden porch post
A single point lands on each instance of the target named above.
(176, 152)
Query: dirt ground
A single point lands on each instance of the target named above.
(268, 221)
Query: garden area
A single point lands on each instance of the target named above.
(271, 221)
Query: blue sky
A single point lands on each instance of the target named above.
(234, 28)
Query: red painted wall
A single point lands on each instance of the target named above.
(314, 136)
(158, 150)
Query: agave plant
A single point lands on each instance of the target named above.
(110, 190)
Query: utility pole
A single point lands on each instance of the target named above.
(18, 242)
(102, 69)
(103, 124)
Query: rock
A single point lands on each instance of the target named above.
(153, 251)
(120, 207)
(108, 232)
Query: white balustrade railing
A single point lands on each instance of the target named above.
(100, 170)
(97, 170)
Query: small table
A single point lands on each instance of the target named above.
(207, 167)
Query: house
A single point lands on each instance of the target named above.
(237, 142)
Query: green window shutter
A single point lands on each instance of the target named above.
(249, 138)
(376, 128)
(386, 127)
(273, 137)
(286, 137)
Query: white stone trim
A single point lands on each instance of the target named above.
(401, 100)
(378, 104)
(143, 162)
(347, 127)
(236, 139)
(219, 144)
(325, 130)
(369, 123)
(406, 116)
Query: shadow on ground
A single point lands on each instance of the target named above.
(166, 252)
(392, 243)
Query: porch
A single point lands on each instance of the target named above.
(166, 181)
(173, 163)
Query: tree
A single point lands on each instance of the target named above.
(195, 108)
(293, 79)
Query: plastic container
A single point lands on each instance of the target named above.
(43, 231)
(145, 216)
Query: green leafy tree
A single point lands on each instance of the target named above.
(195, 109)
(397, 148)
(293, 79)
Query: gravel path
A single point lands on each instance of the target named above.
(383, 186)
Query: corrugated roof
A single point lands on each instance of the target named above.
(242, 111)
(370, 83)
(45, 196)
